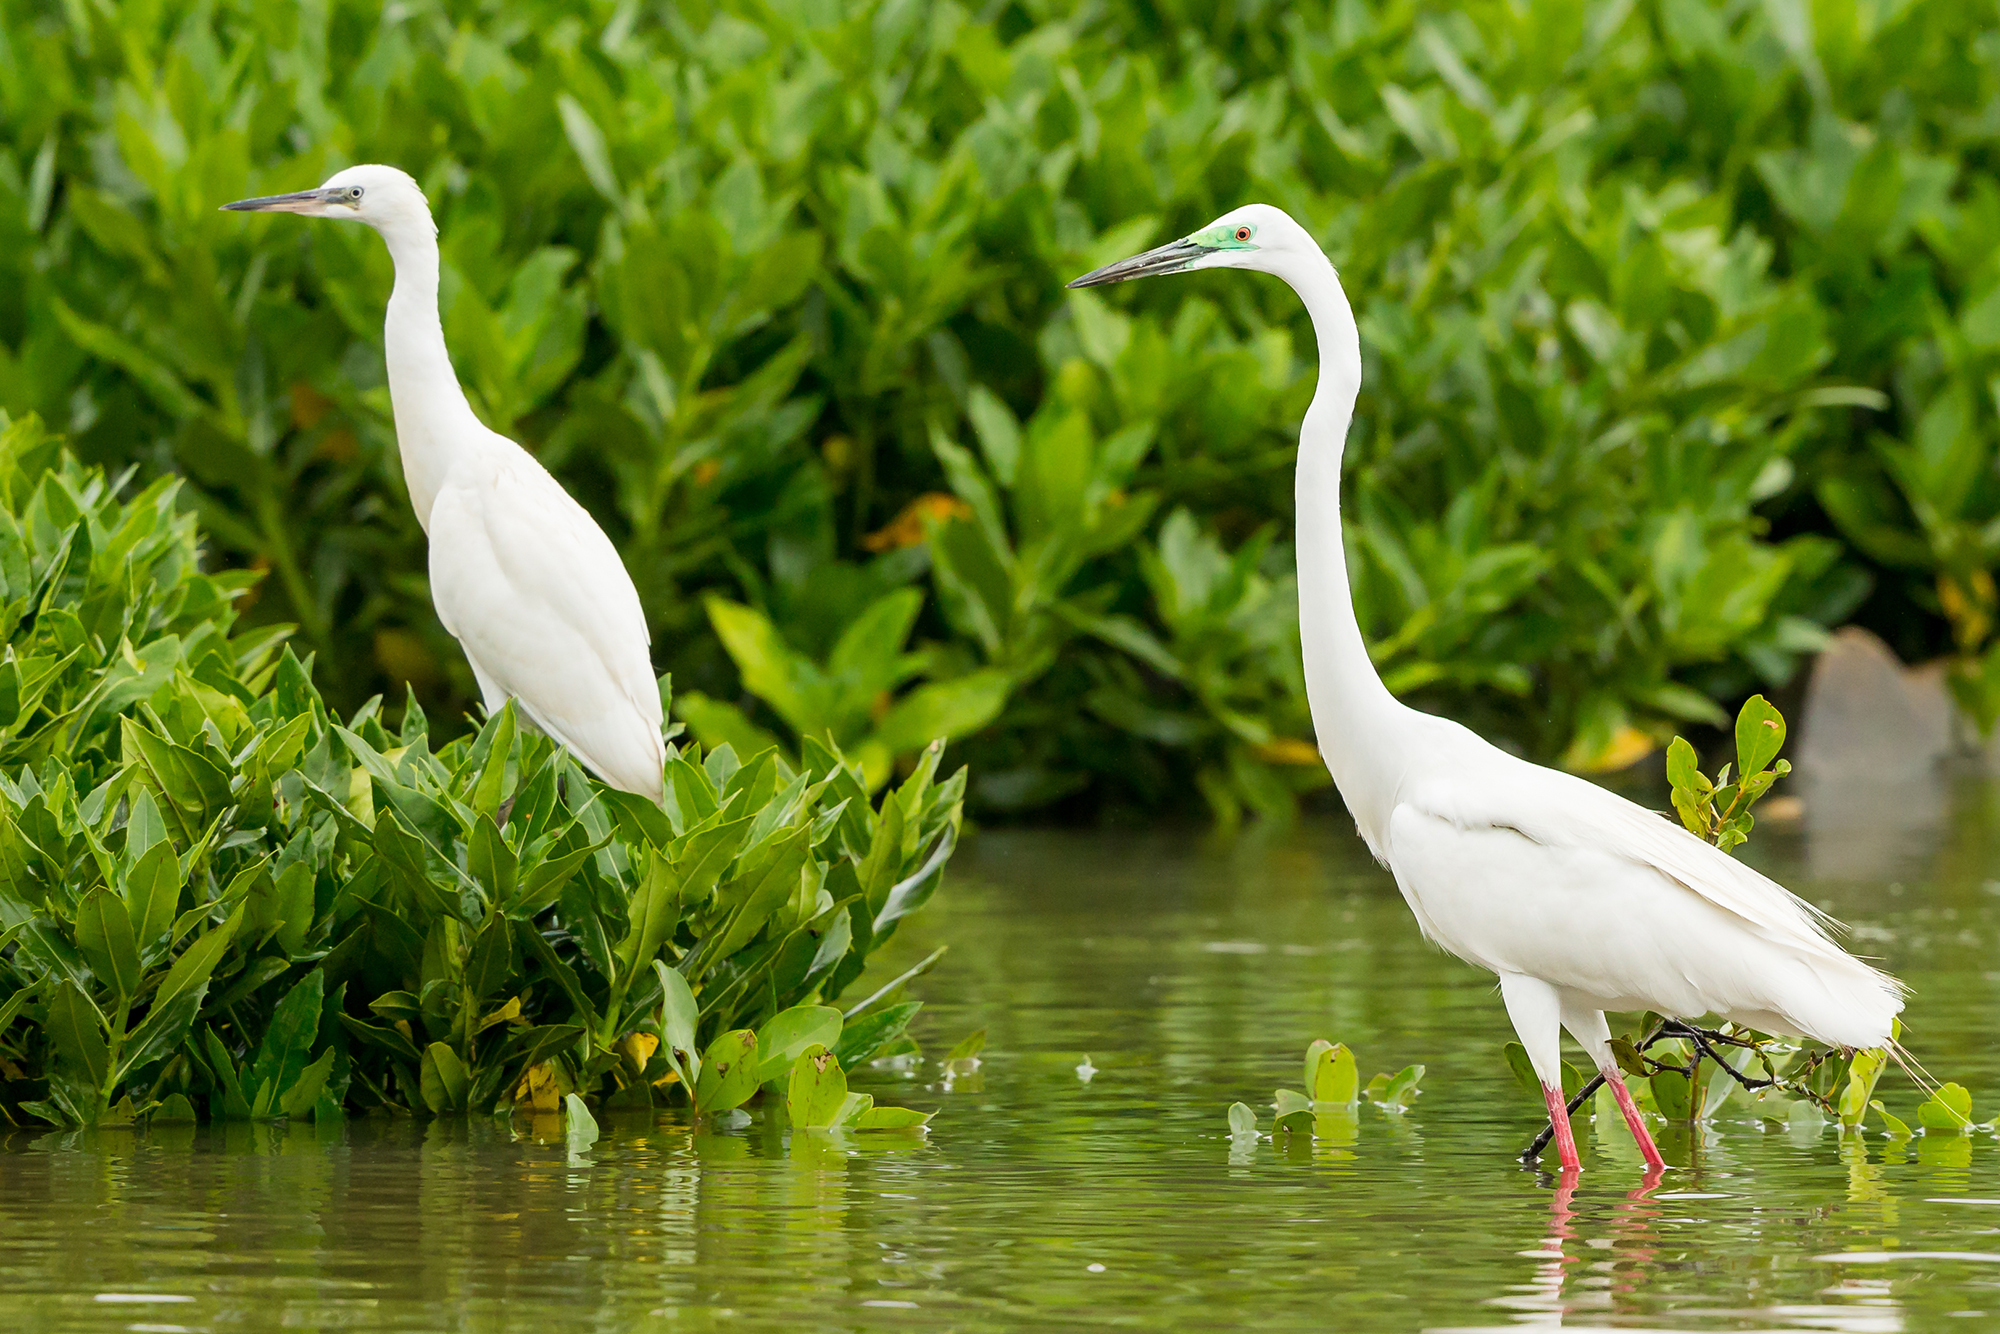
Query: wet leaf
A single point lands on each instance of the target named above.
(818, 1090)
(1948, 1109)
(1895, 1127)
(788, 1033)
(579, 1126)
(892, 1118)
(1331, 1075)
(446, 1081)
(728, 1072)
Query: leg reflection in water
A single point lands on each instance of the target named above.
(1580, 1274)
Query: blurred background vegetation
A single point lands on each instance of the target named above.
(1681, 322)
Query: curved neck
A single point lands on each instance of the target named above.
(1353, 712)
(432, 416)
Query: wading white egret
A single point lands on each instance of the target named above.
(521, 575)
(1578, 899)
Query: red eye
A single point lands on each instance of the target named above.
(1242, 233)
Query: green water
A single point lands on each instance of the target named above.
(1191, 975)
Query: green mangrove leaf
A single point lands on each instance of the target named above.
(892, 1118)
(289, 1038)
(1948, 1109)
(77, 1030)
(1860, 1088)
(1332, 1075)
(1760, 735)
(728, 1072)
(678, 1011)
(153, 891)
(1895, 1127)
(305, 1092)
(104, 935)
(789, 1033)
(862, 1039)
(175, 1109)
(1522, 1068)
(817, 1091)
(446, 1082)
(1242, 1120)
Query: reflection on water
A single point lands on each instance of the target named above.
(1084, 1175)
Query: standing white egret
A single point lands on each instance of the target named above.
(521, 575)
(1578, 899)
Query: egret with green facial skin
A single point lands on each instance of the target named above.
(1579, 900)
(521, 575)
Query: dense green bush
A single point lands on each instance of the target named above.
(1678, 319)
(214, 895)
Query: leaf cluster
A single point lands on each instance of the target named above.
(780, 298)
(219, 897)
(1718, 810)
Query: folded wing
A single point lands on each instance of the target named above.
(535, 593)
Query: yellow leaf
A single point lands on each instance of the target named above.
(1627, 746)
(538, 1088)
(907, 528)
(1287, 750)
(510, 1011)
(638, 1048)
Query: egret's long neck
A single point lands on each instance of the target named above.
(1354, 714)
(434, 423)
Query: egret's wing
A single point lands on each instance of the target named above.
(1560, 810)
(537, 596)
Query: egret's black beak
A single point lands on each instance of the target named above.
(299, 201)
(1169, 258)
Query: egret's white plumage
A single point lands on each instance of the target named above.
(1579, 900)
(521, 575)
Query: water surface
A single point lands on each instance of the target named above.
(1132, 986)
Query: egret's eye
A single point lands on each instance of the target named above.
(1242, 233)
(353, 194)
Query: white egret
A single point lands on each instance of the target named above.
(521, 575)
(1578, 899)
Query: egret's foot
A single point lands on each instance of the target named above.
(1635, 1122)
(1559, 1122)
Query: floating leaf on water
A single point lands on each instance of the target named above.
(1948, 1109)
(1896, 1128)
(892, 1118)
(579, 1126)
(1396, 1092)
(1294, 1110)
(968, 1047)
(1242, 1121)
(1331, 1074)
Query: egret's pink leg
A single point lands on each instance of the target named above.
(1559, 1122)
(1632, 1119)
